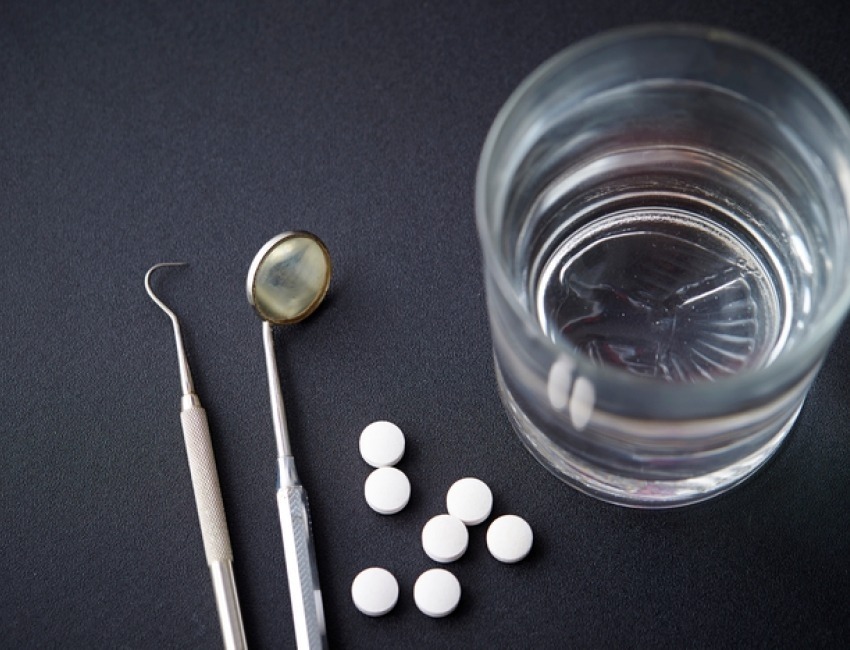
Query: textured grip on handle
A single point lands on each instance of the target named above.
(196, 433)
(304, 591)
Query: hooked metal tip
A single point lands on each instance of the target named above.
(185, 374)
(150, 291)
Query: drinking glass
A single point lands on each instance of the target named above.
(663, 215)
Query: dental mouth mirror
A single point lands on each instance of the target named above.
(196, 435)
(287, 280)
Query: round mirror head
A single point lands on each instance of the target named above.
(289, 277)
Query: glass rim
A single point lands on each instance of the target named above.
(793, 363)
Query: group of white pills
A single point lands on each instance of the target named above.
(387, 489)
(445, 537)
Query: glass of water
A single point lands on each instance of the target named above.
(663, 214)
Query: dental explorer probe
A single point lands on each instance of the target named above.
(210, 507)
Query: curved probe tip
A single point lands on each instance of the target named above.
(185, 373)
(148, 283)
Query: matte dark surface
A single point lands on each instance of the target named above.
(138, 132)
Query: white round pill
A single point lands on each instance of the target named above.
(470, 500)
(387, 490)
(444, 538)
(436, 593)
(509, 538)
(374, 591)
(382, 444)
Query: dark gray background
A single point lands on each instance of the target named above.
(137, 132)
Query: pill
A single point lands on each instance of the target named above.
(387, 490)
(436, 593)
(374, 591)
(444, 538)
(509, 538)
(470, 500)
(382, 444)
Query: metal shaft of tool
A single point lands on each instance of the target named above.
(210, 507)
(301, 569)
(212, 520)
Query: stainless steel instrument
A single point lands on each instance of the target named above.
(210, 507)
(287, 280)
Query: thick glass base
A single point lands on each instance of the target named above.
(627, 491)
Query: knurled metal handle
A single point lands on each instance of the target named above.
(304, 591)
